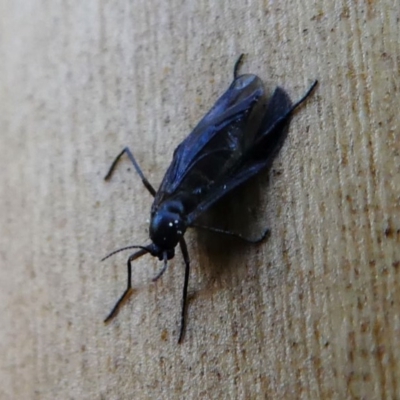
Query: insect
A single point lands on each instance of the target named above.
(235, 140)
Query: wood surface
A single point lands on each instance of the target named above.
(312, 313)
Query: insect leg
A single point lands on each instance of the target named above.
(127, 291)
(271, 132)
(126, 150)
(315, 83)
(237, 66)
(185, 253)
(163, 269)
(259, 239)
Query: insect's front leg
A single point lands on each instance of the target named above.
(163, 269)
(128, 289)
(186, 258)
(257, 240)
(126, 150)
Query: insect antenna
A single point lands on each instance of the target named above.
(124, 248)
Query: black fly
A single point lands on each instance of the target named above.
(237, 138)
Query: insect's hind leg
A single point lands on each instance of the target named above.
(126, 150)
(308, 93)
(237, 65)
(257, 240)
(186, 259)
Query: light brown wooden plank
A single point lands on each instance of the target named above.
(312, 313)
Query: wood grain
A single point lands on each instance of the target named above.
(312, 313)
